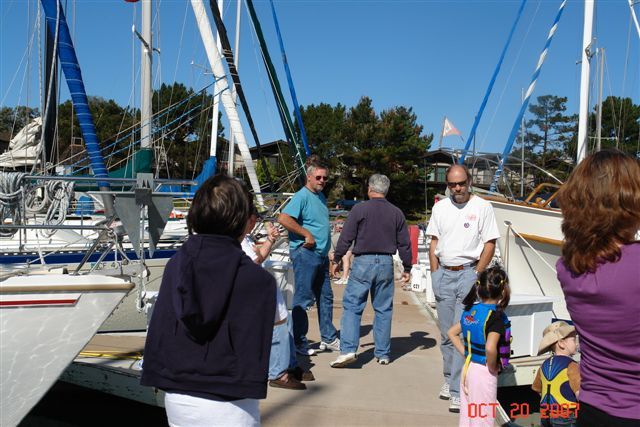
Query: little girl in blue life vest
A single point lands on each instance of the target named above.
(486, 333)
(558, 379)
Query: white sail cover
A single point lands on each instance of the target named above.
(24, 148)
(222, 86)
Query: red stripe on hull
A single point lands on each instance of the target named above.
(32, 303)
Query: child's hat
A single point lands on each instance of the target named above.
(554, 333)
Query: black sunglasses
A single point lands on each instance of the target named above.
(455, 184)
(323, 178)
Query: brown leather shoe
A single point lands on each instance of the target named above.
(288, 382)
(301, 375)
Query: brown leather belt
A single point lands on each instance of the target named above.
(459, 267)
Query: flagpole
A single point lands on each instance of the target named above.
(441, 133)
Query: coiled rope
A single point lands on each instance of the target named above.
(58, 196)
(54, 196)
(10, 201)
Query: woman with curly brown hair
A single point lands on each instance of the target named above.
(600, 276)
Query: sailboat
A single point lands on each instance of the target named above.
(46, 320)
(530, 231)
(68, 242)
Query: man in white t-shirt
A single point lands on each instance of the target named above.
(463, 234)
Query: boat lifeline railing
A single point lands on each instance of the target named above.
(103, 244)
(151, 209)
(18, 209)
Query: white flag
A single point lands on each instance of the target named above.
(449, 129)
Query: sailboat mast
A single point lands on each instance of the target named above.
(599, 117)
(232, 143)
(633, 15)
(584, 81)
(222, 86)
(216, 103)
(145, 78)
(51, 96)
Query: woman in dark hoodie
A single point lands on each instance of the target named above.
(209, 338)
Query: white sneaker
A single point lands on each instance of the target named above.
(305, 351)
(332, 346)
(444, 392)
(344, 360)
(454, 404)
(383, 361)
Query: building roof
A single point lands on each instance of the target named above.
(270, 149)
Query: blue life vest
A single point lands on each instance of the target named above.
(555, 382)
(474, 325)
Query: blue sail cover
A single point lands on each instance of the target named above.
(208, 170)
(69, 62)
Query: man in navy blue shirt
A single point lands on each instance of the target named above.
(378, 229)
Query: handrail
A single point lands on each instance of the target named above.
(538, 188)
(502, 199)
(539, 239)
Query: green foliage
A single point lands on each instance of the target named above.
(547, 138)
(358, 143)
(280, 171)
(14, 119)
(620, 125)
(549, 129)
(111, 122)
(184, 130)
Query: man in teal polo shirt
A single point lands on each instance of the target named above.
(306, 217)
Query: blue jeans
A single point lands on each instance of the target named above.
(450, 288)
(279, 357)
(283, 352)
(369, 273)
(293, 361)
(311, 272)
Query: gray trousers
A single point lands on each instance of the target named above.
(450, 288)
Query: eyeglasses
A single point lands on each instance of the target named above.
(321, 177)
(455, 184)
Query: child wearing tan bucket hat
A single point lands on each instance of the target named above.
(553, 333)
(558, 379)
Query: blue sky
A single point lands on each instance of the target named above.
(434, 56)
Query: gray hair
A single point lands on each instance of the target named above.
(379, 183)
(311, 169)
(314, 162)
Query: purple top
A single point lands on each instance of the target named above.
(604, 308)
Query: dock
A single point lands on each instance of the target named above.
(405, 392)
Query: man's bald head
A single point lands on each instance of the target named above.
(458, 182)
(457, 170)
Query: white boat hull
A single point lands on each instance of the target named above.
(531, 268)
(45, 321)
